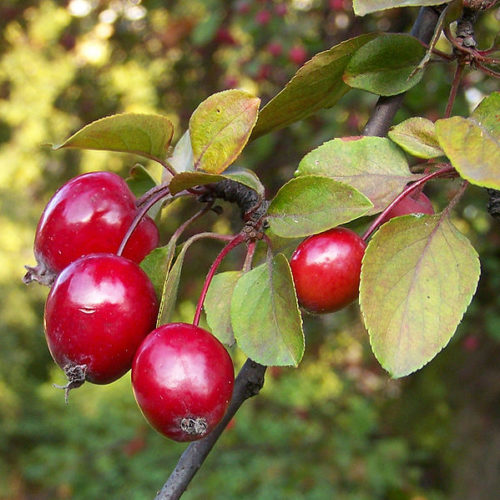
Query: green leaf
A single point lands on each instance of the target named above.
(373, 165)
(418, 277)
(265, 315)
(316, 85)
(417, 136)
(487, 115)
(311, 204)
(170, 288)
(182, 157)
(220, 127)
(140, 180)
(246, 177)
(384, 65)
(187, 180)
(218, 305)
(144, 135)
(472, 150)
(362, 7)
(156, 265)
(172, 278)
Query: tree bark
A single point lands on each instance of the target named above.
(248, 383)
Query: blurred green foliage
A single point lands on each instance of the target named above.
(336, 427)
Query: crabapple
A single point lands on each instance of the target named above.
(182, 378)
(90, 213)
(263, 17)
(418, 204)
(326, 269)
(275, 49)
(297, 55)
(97, 313)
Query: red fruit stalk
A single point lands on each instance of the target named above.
(412, 204)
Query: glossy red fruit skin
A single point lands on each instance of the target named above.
(326, 270)
(97, 313)
(410, 205)
(183, 379)
(90, 213)
(143, 240)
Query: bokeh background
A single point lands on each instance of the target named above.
(336, 427)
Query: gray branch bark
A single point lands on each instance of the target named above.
(248, 383)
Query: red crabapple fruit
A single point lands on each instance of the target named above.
(97, 313)
(326, 270)
(89, 214)
(182, 378)
(418, 204)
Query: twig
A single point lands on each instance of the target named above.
(248, 383)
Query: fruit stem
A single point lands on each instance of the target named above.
(249, 256)
(141, 212)
(176, 235)
(239, 238)
(409, 189)
(454, 89)
(162, 188)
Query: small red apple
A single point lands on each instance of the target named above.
(326, 270)
(417, 204)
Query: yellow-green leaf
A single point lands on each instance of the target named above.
(217, 305)
(316, 85)
(220, 127)
(373, 165)
(472, 150)
(418, 276)
(310, 204)
(265, 315)
(144, 135)
(417, 136)
(363, 7)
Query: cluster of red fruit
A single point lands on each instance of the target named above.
(102, 308)
(101, 311)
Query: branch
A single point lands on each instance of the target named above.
(386, 107)
(248, 383)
